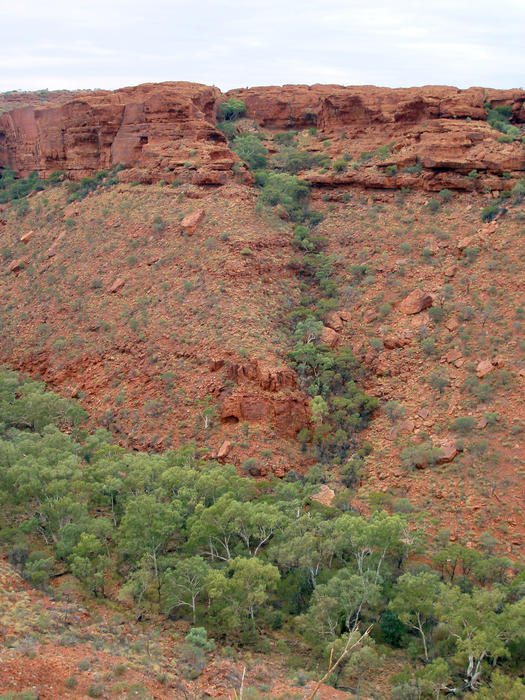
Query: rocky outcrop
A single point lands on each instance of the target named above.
(287, 413)
(441, 130)
(166, 129)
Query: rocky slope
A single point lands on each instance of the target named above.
(162, 306)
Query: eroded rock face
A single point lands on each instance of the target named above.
(168, 131)
(152, 126)
(426, 126)
(288, 413)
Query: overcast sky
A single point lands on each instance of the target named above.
(238, 43)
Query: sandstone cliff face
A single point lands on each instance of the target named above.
(160, 129)
(168, 131)
(443, 129)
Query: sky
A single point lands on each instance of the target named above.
(73, 44)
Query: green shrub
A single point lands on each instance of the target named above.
(286, 190)
(250, 149)
(95, 690)
(340, 166)
(463, 424)
(228, 128)
(490, 212)
(413, 169)
(285, 138)
(445, 195)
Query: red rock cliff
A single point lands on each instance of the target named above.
(168, 131)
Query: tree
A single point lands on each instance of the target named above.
(242, 590)
(369, 542)
(336, 606)
(146, 528)
(232, 109)
(414, 602)
(501, 687)
(481, 625)
(318, 408)
(307, 543)
(184, 583)
(89, 563)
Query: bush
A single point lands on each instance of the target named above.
(439, 381)
(95, 690)
(286, 190)
(228, 128)
(413, 169)
(436, 313)
(490, 212)
(285, 138)
(445, 195)
(463, 424)
(250, 149)
(394, 410)
(198, 637)
(392, 628)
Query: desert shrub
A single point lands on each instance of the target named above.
(463, 424)
(391, 170)
(481, 390)
(12, 188)
(286, 190)
(428, 345)
(250, 149)
(489, 212)
(340, 166)
(394, 410)
(293, 161)
(445, 195)
(285, 138)
(439, 381)
(436, 313)
(420, 455)
(413, 169)
(102, 178)
(228, 128)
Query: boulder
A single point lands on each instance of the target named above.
(26, 237)
(17, 265)
(334, 321)
(415, 302)
(483, 368)
(448, 452)
(329, 336)
(325, 495)
(116, 286)
(224, 450)
(191, 221)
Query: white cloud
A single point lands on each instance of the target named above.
(232, 43)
